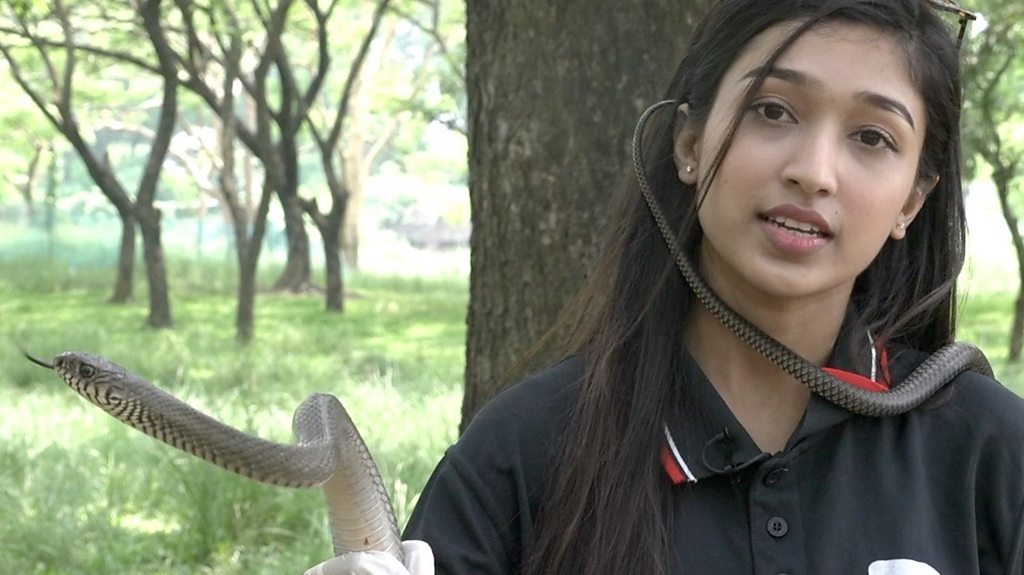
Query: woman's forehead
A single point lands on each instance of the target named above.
(846, 56)
(821, 39)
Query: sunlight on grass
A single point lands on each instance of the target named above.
(144, 523)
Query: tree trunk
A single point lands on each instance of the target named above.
(123, 284)
(244, 313)
(298, 272)
(248, 264)
(147, 215)
(555, 89)
(156, 268)
(354, 172)
(335, 277)
(330, 227)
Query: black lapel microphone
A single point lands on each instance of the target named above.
(722, 444)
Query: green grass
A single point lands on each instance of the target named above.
(82, 493)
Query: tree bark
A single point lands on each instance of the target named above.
(555, 89)
(156, 268)
(123, 282)
(248, 265)
(298, 272)
(329, 226)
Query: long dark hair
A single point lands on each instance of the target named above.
(607, 501)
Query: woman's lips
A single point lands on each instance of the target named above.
(794, 231)
(798, 219)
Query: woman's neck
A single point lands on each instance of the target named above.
(767, 401)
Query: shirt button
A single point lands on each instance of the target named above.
(773, 476)
(777, 527)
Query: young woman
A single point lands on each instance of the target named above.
(808, 165)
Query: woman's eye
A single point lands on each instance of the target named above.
(874, 139)
(772, 111)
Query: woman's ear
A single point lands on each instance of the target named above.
(685, 150)
(912, 206)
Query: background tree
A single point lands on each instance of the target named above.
(298, 72)
(993, 123)
(249, 228)
(555, 89)
(329, 223)
(41, 49)
(294, 114)
(277, 105)
(415, 75)
(26, 152)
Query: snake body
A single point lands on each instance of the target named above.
(329, 451)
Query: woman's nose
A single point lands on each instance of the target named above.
(813, 163)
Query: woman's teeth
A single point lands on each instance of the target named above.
(797, 226)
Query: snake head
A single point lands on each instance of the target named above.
(95, 378)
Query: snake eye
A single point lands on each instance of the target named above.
(86, 370)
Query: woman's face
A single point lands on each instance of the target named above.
(822, 169)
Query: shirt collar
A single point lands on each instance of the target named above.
(706, 439)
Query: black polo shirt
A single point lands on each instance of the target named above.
(936, 490)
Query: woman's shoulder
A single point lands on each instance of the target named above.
(536, 406)
(991, 408)
(977, 408)
(477, 508)
(508, 448)
(985, 392)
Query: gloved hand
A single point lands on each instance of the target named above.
(419, 560)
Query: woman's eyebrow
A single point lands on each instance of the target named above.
(886, 103)
(805, 80)
(786, 75)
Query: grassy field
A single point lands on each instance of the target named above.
(82, 494)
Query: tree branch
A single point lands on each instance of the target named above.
(433, 31)
(85, 48)
(168, 107)
(353, 75)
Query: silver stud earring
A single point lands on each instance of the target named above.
(900, 226)
(689, 169)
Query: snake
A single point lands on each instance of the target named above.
(329, 451)
(929, 376)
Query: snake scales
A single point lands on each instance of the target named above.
(329, 451)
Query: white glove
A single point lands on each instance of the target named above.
(419, 560)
